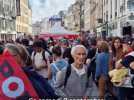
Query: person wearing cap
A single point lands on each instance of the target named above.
(50, 44)
(76, 42)
(64, 44)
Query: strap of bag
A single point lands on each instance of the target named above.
(68, 72)
(55, 67)
(44, 57)
(88, 75)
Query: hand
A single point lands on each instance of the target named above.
(132, 65)
(118, 64)
(88, 61)
(120, 83)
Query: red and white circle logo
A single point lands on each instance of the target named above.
(13, 87)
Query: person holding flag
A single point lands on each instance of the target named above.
(21, 82)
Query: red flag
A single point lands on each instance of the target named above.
(13, 81)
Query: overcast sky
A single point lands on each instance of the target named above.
(47, 8)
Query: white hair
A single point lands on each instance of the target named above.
(73, 50)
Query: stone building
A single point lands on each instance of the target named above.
(24, 18)
(7, 19)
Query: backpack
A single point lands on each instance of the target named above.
(68, 73)
(59, 71)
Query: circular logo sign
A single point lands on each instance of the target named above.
(13, 87)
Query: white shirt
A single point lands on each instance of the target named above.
(39, 61)
(130, 54)
(38, 58)
(51, 48)
(79, 71)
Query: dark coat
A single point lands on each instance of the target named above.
(42, 87)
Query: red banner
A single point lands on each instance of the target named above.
(13, 81)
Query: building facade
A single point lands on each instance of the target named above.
(45, 25)
(74, 18)
(30, 21)
(110, 17)
(99, 16)
(7, 19)
(69, 19)
(93, 6)
(119, 17)
(104, 17)
(87, 15)
(96, 14)
(36, 28)
(55, 19)
(93, 16)
(24, 20)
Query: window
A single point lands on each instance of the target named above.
(1, 7)
(107, 16)
(131, 17)
(130, 5)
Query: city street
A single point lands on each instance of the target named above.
(67, 49)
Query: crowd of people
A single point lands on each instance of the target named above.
(76, 68)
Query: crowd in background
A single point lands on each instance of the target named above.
(77, 67)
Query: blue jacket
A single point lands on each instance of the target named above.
(102, 64)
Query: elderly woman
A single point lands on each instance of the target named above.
(74, 79)
(43, 89)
